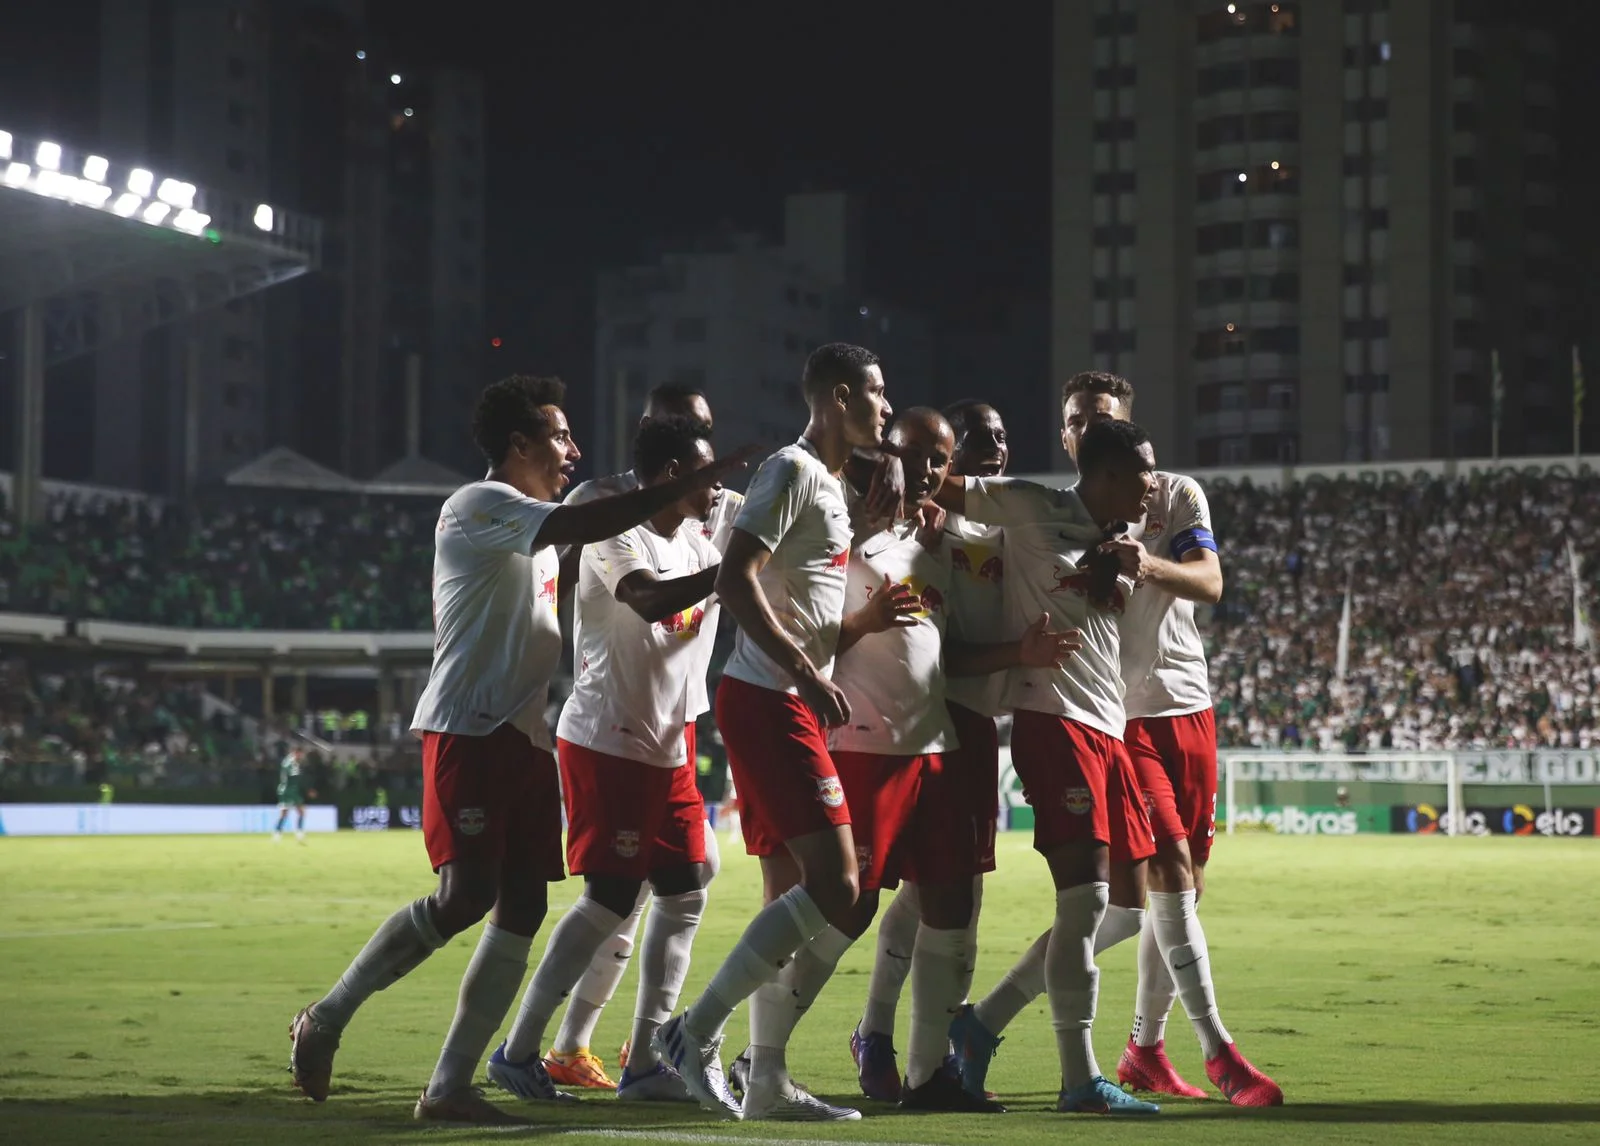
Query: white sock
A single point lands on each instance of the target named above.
(939, 978)
(777, 1007)
(582, 930)
(491, 982)
(1022, 985)
(1156, 994)
(1073, 981)
(897, 936)
(778, 930)
(1183, 948)
(599, 983)
(1120, 923)
(663, 967)
(401, 942)
(972, 935)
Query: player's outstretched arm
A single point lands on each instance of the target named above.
(739, 589)
(604, 517)
(1038, 647)
(655, 600)
(1197, 576)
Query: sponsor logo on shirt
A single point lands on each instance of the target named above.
(685, 625)
(839, 560)
(470, 821)
(547, 591)
(1078, 583)
(830, 792)
(979, 564)
(931, 599)
(626, 844)
(1078, 801)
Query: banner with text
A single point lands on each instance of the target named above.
(1545, 766)
(154, 819)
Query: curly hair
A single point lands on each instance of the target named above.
(513, 405)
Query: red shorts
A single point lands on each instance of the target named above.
(493, 799)
(884, 808)
(1175, 760)
(975, 769)
(626, 818)
(778, 755)
(1080, 784)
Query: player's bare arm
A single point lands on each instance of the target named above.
(739, 588)
(891, 606)
(1039, 647)
(606, 517)
(1197, 577)
(655, 600)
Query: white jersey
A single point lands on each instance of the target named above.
(634, 691)
(1163, 657)
(1048, 531)
(894, 680)
(497, 640)
(797, 509)
(977, 607)
(715, 529)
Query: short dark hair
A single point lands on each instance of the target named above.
(833, 363)
(513, 405)
(672, 395)
(1106, 443)
(1099, 382)
(670, 439)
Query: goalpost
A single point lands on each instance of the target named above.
(1323, 780)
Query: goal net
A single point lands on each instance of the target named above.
(1421, 793)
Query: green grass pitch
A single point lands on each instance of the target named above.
(1401, 990)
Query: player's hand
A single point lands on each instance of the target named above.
(1041, 648)
(930, 525)
(887, 491)
(1133, 559)
(715, 471)
(891, 606)
(824, 698)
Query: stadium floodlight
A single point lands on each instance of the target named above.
(140, 182)
(127, 203)
(190, 221)
(394, 78)
(95, 169)
(48, 156)
(17, 174)
(156, 212)
(5, 145)
(176, 192)
(93, 194)
(360, 55)
(263, 217)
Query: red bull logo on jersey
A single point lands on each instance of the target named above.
(992, 570)
(547, 590)
(684, 625)
(959, 561)
(1078, 801)
(928, 596)
(980, 563)
(840, 560)
(1080, 581)
(830, 792)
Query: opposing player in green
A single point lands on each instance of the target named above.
(291, 795)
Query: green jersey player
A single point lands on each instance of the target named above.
(291, 794)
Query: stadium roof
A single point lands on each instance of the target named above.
(282, 468)
(110, 250)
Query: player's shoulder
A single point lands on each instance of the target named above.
(793, 466)
(962, 528)
(608, 486)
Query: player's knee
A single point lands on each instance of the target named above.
(464, 897)
(834, 891)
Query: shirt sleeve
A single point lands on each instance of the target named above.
(1191, 520)
(1007, 501)
(582, 492)
(501, 519)
(616, 557)
(777, 494)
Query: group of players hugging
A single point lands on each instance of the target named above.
(894, 594)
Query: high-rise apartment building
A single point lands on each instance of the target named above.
(1302, 227)
(294, 102)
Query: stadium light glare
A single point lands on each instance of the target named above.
(140, 182)
(17, 174)
(1243, 178)
(410, 111)
(176, 192)
(394, 78)
(48, 156)
(190, 221)
(360, 55)
(263, 217)
(95, 168)
(127, 203)
(155, 213)
(5, 145)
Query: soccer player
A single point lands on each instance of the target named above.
(627, 770)
(1171, 735)
(491, 820)
(290, 794)
(571, 1062)
(976, 615)
(1066, 734)
(783, 578)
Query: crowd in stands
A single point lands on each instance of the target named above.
(1461, 633)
